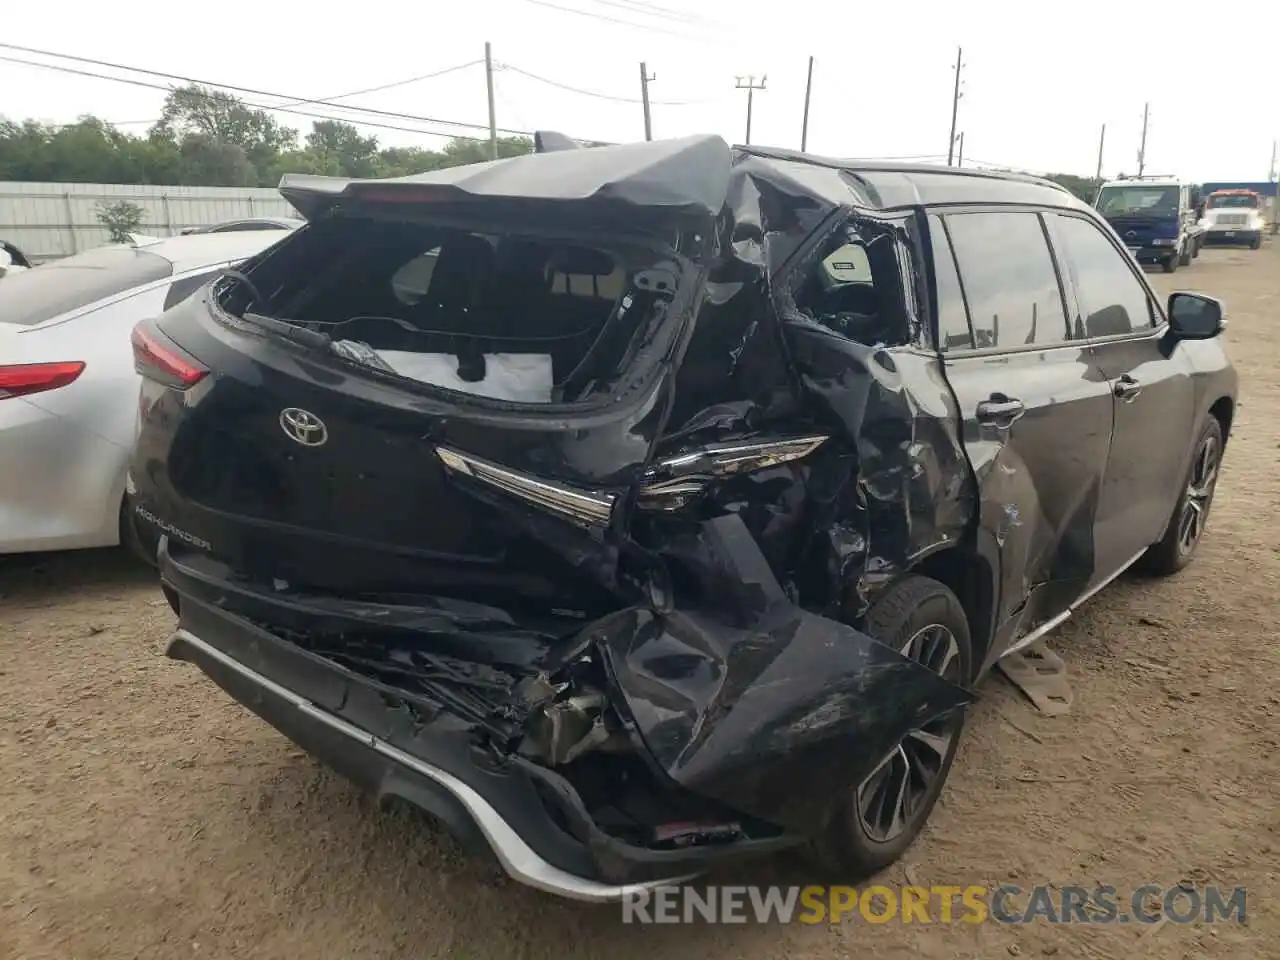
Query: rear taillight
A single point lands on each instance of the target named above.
(24, 379)
(157, 358)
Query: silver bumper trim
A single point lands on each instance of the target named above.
(517, 858)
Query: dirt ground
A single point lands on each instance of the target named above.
(143, 814)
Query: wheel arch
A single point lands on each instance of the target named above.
(972, 577)
(1223, 410)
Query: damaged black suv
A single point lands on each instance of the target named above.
(635, 508)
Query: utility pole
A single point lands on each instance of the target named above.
(1101, 140)
(1274, 174)
(955, 104)
(1142, 148)
(808, 90)
(960, 151)
(493, 117)
(751, 87)
(645, 80)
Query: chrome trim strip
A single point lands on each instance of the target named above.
(517, 858)
(726, 459)
(674, 482)
(1044, 628)
(585, 507)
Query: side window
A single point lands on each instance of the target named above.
(953, 320)
(1112, 300)
(179, 290)
(1009, 279)
(860, 284)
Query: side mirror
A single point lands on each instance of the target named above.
(1193, 316)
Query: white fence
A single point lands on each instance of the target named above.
(49, 220)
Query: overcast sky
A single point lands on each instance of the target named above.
(1037, 86)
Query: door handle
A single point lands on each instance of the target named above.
(1126, 388)
(1000, 410)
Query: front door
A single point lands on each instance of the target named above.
(1036, 409)
(1150, 379)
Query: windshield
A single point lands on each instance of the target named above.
(47, 291)
(1152, 201)
(1248, 201)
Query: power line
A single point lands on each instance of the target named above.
(249, 90)
(640, 8)
(261, 106)
(596, 94)
(386, 86)
(607, 19)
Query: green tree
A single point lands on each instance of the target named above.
(121, 219)
(220, 116)
(1086, 188)
(339, 145)
(210, 138)
(209, 162)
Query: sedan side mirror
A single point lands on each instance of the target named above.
(1193, 316)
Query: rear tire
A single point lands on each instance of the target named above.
(925, 620)
(1196, 248)
(1169, 263)
(1186, 527)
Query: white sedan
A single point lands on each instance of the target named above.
(68, 390)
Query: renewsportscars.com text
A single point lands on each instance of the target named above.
(1005, 904)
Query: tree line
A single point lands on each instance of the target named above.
(209, 138)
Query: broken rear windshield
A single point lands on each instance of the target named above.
(501, 315)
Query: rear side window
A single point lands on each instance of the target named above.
(179, 290)
(52, 289)
(1112, 300)
(953, 320)
(1009, 279)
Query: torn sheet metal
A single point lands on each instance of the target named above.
(685, 176)
(757, 703)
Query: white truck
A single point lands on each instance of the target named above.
(1234, 216)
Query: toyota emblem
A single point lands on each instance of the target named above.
(303, 427)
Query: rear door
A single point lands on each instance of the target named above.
(1037, 410)
(1113, 308)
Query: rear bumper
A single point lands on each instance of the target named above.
(1231, 235)
(375, 764)
(530, 819)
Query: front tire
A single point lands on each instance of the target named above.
(874, 826)
(1182, 536)
(1256, 243)
(1170, 263)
